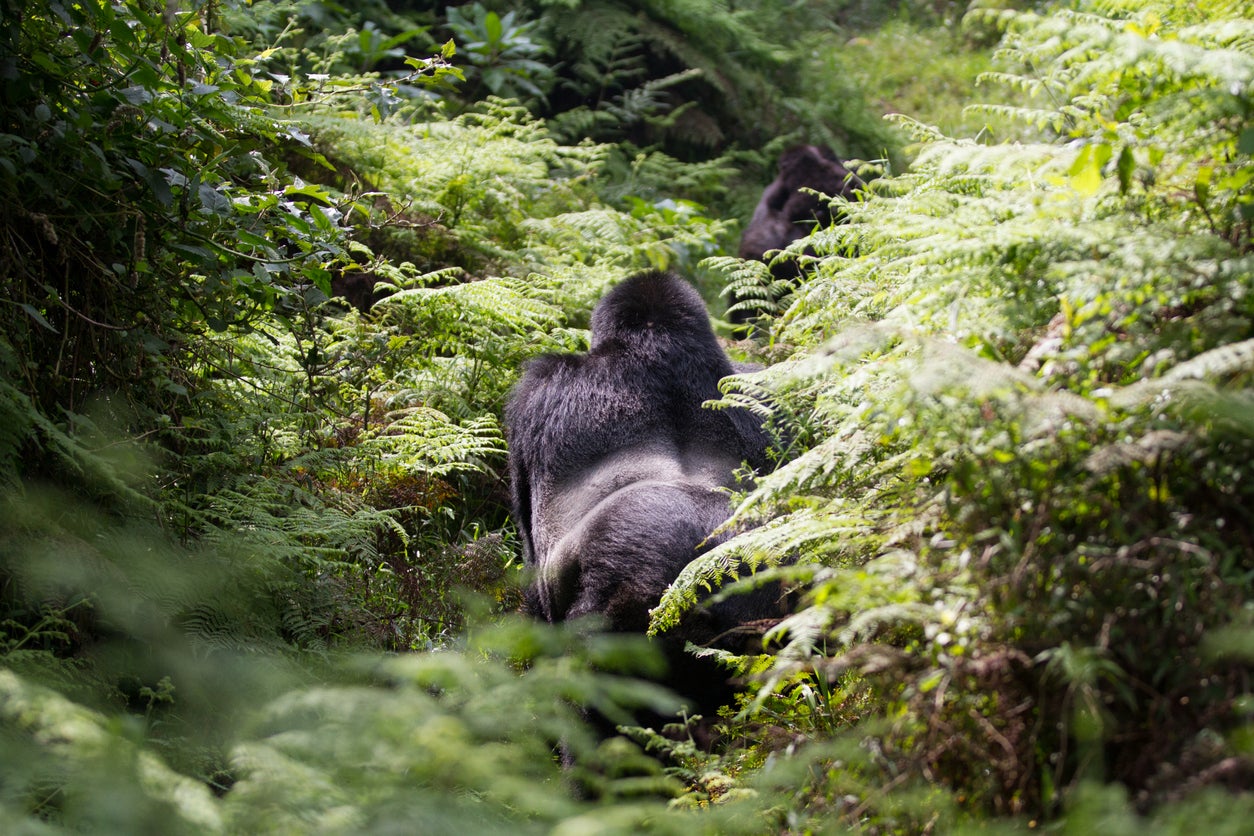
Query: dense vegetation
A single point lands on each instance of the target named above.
(256, 571)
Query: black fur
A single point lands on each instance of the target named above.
(785, 213)
(618, 473)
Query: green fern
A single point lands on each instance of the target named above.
(1019, 398)
(425, 440)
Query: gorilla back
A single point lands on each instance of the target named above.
(618, 473)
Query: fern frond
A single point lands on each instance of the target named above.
(1146, 449)
(1189, 377)
(75, 747)
(1224, 361)
(425, 440)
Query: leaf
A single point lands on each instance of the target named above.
(38, 317)
(202, 254)
(397, 40)
(137, 95)
(1201, 187)
(1245, 143)
(492, 28)
(1086, 171)
(1125, 168)
(214, 200)
(292, 132)
(311, 193)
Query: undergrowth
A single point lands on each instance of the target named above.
(255, 566)
(1021, 525)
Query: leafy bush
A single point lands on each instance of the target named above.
(231, 729)
(500, 49)
(1021, 521)
(309, 482)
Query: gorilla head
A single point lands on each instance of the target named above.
(785, 213)
(651, 307)
(618, 474)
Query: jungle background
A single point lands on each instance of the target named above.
(270, 270)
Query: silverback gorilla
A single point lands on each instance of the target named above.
(785, 213)
(619, 475)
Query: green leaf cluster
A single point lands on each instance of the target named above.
(220, 485)
(1023, 374)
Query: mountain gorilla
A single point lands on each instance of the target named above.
(785, 213)
(619, 475)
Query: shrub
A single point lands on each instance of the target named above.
(1020, 521)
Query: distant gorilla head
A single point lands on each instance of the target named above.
(786, 213)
